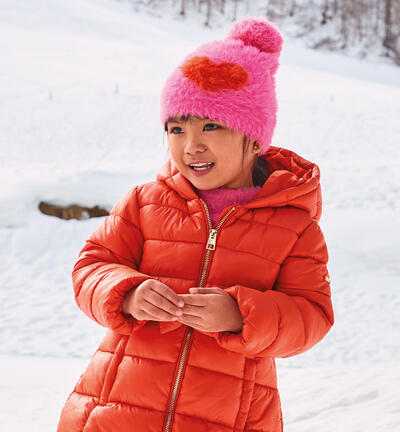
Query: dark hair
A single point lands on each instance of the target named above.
(260, 171)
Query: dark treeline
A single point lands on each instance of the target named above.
(361, 25)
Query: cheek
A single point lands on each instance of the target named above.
(174, 152)
(231, 163)
(229, 152)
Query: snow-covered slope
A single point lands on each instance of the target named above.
(79, 87)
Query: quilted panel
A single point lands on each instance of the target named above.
(260, 274)
(92, 380)
(266, 372)
(204, 348)
(118, 417)
(185, 423)
(75, 413)
(149, 343)
(265, 411)
(209, 395)
(172, 258)
(142, 382)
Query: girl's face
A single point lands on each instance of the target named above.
(209, 154)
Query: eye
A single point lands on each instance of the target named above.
(176, 130)
(211, 126)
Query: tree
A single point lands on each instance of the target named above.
(208, 13)
(392, 35)
(183, 8)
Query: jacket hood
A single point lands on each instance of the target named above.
(292, 181)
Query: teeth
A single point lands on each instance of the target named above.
(202, 166)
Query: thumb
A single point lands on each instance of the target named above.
(204, 290)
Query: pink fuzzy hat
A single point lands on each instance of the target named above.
(230, 80)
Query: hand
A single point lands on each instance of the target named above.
(212, 310)
(153, 300)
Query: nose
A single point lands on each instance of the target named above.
(194, 144)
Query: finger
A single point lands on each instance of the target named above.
(197, 327)
(191, 321)
(167, 292)
(189, 309)
(156, 313)
(194, 299)
(161, 302)
(206, 290)
(142, 315)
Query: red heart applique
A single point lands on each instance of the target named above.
(213, 77)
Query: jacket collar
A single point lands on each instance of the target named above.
(293, 181)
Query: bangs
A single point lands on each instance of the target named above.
(183, 119)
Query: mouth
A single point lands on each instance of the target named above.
(201, 168)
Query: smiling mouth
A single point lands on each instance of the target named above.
(204, 166)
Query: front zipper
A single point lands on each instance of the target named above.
(178, 378)
(211, 244)
(212, 240)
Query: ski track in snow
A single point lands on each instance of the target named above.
(79, 121)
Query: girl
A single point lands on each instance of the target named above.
(207, 274)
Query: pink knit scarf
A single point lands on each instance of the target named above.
(220, 198)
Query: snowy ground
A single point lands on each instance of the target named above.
(79, 85)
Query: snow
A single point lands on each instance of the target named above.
(79, 121)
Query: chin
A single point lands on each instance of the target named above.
(202, 185)
(203, 188)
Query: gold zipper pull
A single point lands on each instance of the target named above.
(212, 239)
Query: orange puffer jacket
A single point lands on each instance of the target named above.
(270, 255)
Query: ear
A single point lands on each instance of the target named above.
(255, 148)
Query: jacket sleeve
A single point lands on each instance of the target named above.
(107, 265)
(293, 316)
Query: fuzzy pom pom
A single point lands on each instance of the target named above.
(257, 32)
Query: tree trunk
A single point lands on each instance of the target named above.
(208, 18)
(375, 17)
(391, 39)
(344, 25)
(324, 15)
(183, 8)
(335, 8)
(292, 9)
(235, 9)
(388, 21)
